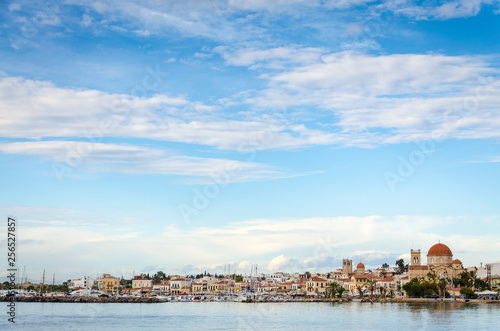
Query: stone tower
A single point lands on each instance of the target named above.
(346, 267)
(415, 257)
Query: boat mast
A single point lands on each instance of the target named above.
(43, 280)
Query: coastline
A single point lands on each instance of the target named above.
(90, 299)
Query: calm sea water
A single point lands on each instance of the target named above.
(253, 316)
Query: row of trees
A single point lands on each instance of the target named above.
(334, 290)
(436, 285)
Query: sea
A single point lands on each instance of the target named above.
(253, 316)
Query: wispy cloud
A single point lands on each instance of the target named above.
(287, 245)
(99, 157)
(391, 98)
(37, 109)
(442, 10)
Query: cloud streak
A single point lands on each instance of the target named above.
(316, 244)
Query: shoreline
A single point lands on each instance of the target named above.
(89, 299)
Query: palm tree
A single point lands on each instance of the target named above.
(383, 292)
(442, 285)
(340, 291)
(332, 289)
(371, 286)
(360, 291)
(432, 276)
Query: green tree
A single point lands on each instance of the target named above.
(401, 267)
(383, 292)
(372, 285)
(432, 277)
(308, 274)
(360, 291)
(340, 291)
(413, 288)
(385, 266)
(442, 285)
(467, 292)
(332, 289)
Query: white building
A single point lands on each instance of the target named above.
(277, 277)
(139, 282)
(84, 282)
(180, 285)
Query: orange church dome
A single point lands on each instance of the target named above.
(360, 266)
(439, 249)
(456, 261)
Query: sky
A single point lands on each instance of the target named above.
(185, 136)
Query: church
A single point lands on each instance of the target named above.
(439, 260)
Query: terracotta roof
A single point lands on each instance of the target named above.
(457, 261)
(439, 249)
(386, 280)
(360, 265)
(316, 279)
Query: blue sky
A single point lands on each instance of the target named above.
(187, 135)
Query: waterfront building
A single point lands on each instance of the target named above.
(387, 283)
(139, 282)
(277, 277)
(360, 281)
(162, 287)
(285, 287)
(439, 261)
(180, 285)
(108, 283)
(242, 287)
(198, 288)
(81, 283)
(316, 285)
(491, 274)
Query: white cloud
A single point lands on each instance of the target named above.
(70, 155)
(36, 109)
(391, 98)
(281, 263)
(344, 4)
(86, 20)
(462, 8)
(433, 10)
(273, 58)
(14, 7)
(315, 244)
